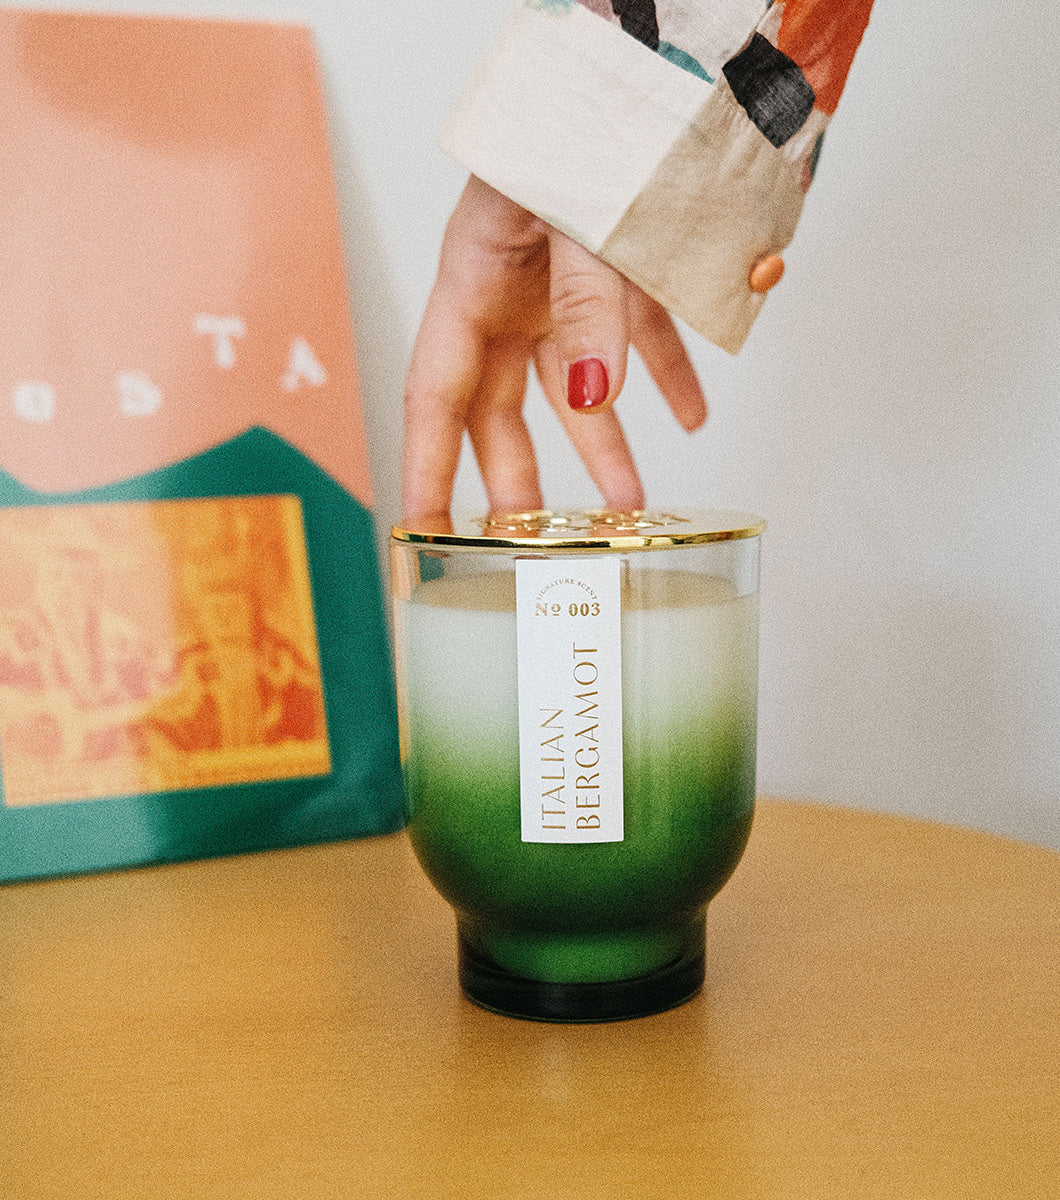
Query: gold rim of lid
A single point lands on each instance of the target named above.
(581, 529)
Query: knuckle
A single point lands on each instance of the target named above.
(430, 406)
(576, 299)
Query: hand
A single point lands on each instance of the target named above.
(512, 290)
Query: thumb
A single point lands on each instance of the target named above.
(590, 323)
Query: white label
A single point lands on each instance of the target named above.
(568, 614)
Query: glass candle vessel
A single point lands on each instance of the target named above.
(577, 701)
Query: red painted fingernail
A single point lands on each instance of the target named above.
(587, 383)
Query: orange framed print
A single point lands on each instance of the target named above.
(155, 646)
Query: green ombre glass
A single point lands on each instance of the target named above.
(571, 930)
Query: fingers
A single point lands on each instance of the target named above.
(660, 347)
(488, 301)
(603, 448)
(499, 436)
(507, 282)
(582, 365)
(599, 442)
(460, 380)
(443, 377)
(590, 325)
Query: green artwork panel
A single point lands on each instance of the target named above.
(267, 719)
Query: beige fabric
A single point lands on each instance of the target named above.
(655, 169)
(570, 117)
(721, 199)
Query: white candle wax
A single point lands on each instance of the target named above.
(689, 658)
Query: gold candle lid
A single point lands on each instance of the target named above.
(581, 529)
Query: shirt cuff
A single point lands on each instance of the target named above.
(657, 170)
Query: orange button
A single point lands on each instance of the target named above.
(766, 273)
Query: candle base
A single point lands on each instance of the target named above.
(492, 987)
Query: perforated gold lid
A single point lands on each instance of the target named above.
(583, 529)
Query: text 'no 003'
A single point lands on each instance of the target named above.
(137, 395)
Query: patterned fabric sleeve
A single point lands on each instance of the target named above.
(674, 138)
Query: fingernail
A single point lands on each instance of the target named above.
(587, 384)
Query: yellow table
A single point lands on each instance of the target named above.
(881, 1019)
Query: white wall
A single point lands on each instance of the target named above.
(895, 414)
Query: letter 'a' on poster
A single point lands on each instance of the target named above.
(569, 626)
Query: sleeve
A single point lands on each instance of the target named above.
(673, 138)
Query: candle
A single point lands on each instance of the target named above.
(573, 914)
